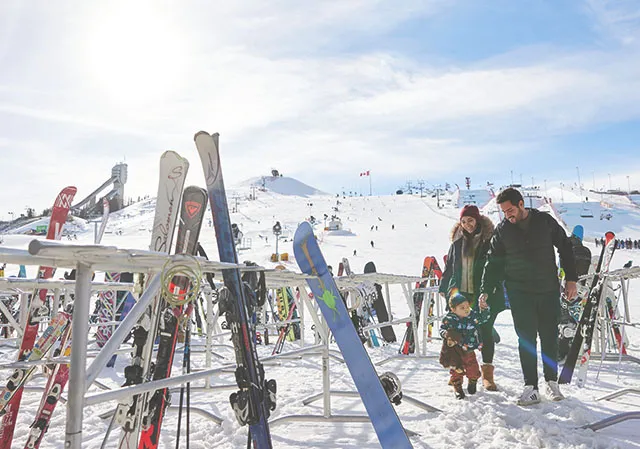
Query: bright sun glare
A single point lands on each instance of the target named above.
(135, 53)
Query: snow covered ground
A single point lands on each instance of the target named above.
(486, 420)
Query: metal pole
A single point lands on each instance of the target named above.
(388, 297)
(208, 296)
(24, 309)
(300, 307)
(77, 367)
(326, 381)
(579, 182)
(56, 302)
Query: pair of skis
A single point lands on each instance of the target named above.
(194, 205)
(255, 399)
(129, 414)
(580, 351)
(432, 272)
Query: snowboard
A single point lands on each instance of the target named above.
(385, 421)
(380, 307)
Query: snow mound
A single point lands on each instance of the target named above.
(283, 185)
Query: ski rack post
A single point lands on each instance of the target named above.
(79, 337)
(432, 294)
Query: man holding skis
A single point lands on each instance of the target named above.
(522, 253)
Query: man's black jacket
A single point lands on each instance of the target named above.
(526, 260)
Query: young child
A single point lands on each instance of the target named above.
(460, 339)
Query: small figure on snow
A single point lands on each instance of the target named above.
(460, 339)
(372, 244)
(355, 253)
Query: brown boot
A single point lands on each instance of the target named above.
(457, 388)
(487, 377)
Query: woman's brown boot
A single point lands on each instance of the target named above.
(487, 377)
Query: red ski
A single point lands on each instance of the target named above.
(59, 215)
(430, 269)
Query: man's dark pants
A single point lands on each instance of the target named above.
(536, 314)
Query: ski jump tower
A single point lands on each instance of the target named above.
(115, 196)
(119, 175)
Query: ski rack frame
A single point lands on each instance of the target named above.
(623, 276)
(419, 353)
(16, 286)
(405, 281)
(343, 282)
(87, 259)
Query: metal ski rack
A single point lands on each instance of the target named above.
(326, 354)
(86, 259)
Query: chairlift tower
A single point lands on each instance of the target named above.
(277, 230)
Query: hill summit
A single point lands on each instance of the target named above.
(282, 185)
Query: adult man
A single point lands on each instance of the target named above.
(521, 252)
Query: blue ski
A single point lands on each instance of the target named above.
(256, 396)
(385, 421)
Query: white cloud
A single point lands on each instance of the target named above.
(270, 79)
(617, 18)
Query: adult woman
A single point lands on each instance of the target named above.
(463, 273)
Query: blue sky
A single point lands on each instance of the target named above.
(419, 89)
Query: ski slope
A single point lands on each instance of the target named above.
(420, 228)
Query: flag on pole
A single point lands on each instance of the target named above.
(365, 173)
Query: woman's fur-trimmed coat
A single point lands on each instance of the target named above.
(452, 276)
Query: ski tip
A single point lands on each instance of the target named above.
(214, 136)
(304, 229)
(196, 135)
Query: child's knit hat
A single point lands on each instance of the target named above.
(457, 299)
